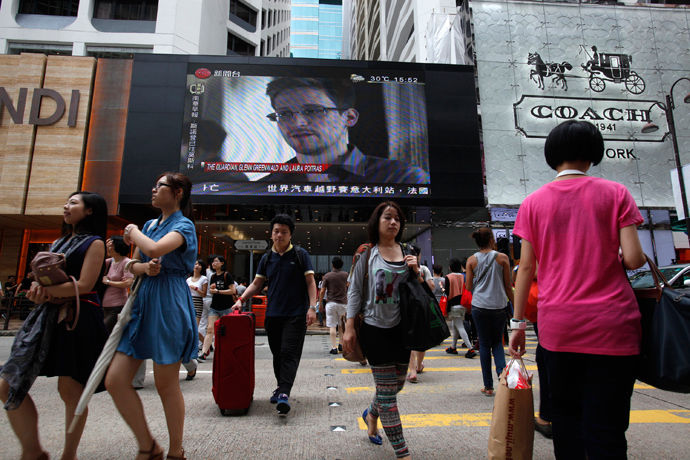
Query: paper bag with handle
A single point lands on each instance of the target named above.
(512, 422)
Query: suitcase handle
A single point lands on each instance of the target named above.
(221, 330)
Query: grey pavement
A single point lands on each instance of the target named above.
(444, 415)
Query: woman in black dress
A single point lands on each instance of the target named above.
(44, 346)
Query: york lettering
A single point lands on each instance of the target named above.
(623, 154)
(17, 110)
(565, 112)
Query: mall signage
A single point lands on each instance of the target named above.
(17, 108)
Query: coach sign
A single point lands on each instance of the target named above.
(540, 64)
(16, 110)
(618, 120)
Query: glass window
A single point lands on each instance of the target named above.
(133, 10)
(238, 46)
(49, 7)
(114, 52)
(50, 49)
(243, 12)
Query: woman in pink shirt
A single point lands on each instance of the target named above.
(589, 322)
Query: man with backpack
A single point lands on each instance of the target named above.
(290, 306)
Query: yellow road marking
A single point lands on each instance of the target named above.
(439, 388)
(643, 386)
(429, 369)
(435, 420)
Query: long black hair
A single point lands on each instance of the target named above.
(373, 227)
(95, 223)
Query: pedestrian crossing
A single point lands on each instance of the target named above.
(484, 419)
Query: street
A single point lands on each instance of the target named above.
(444, 416)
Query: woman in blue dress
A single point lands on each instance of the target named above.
(163, 325)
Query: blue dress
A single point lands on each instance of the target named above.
(163, 325)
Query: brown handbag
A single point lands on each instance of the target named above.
(49, 270)
(356, 355)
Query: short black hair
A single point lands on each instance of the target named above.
(340, 91)
(209, 259)
(221, 259)
(438, 270)
(455, 265)
(119, 245)
(337, 263)
(373, 227)
(574, 140)
(283, 219)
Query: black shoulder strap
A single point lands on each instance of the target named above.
(300, 261)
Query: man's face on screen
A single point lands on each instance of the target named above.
(319, 131)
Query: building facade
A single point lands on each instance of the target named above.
(114, 28)
(316, 29)
(390, 30)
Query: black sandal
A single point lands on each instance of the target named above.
(181, 457)
(158, 456)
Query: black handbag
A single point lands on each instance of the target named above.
(423, 324)
(665, 362)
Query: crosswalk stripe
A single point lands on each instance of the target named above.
(435, 420)
(441, 388)
(430, 369)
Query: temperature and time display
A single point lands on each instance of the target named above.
(398, 79)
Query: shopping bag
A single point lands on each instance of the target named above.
(443, 303)
(423, 324)
(466, 299)
(512, 422)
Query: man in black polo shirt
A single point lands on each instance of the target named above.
(290, 307)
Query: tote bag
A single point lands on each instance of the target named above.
(423, 324)
(664, 360)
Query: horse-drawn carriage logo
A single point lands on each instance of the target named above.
(601, 67)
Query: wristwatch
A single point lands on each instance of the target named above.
(518, 324)
(107, 281)
(314, 307)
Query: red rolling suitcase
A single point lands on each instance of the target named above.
(233, 363)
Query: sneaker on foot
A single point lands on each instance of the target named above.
(201, 358)
(334, 351)
(283, 405)
(340, 348)
(470, 354)
(274, 397)
(451, 351)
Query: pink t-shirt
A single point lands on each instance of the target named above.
(586, 304)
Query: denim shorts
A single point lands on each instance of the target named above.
(214, 312)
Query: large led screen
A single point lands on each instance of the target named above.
(249, 129)
(305, 131)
